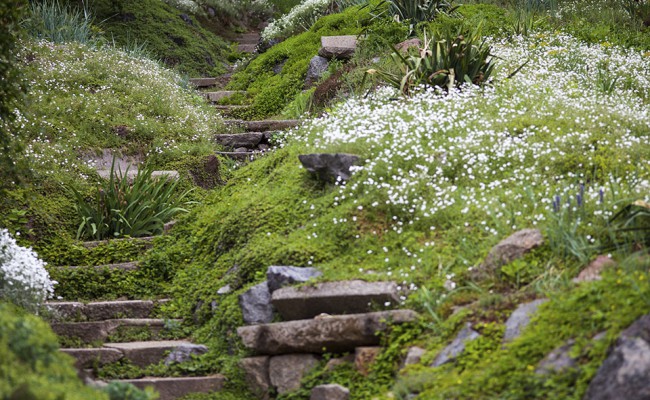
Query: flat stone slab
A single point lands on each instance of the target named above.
(173, 388)
(343, 297)
(338, 47)
(133, 172)
(265, 125)
(93, 331)
(222, 94)
(203, 82)
(332, 334)
(87, 358)
(248, 140)
(142, 354)
(145, 241)
(246, 47)
(102, 310)
(127, 266)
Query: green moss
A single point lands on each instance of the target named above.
(30, 363)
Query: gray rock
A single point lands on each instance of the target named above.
(256, 305)
(184, 353)
(510, 249)
(456, 347)
(224, 290)
(279, 276)
(277, 68)
(343, 297)
(333, 334)
(414, 355)
(520, 318)
(256, 372)
(593, 270)
(331, 391)
(557, 360)
(624, 373)
(317, 67)
(248, 140)
(338, 47)
(329, 167)
(175, 388)
(286, 371)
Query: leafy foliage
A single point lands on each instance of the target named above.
(122, 208)
(59, 22)
(445, 61)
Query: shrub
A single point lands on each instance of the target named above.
(444, 62)
(23, 278)
(122, 208)
(126, 391)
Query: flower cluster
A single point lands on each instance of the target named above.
(301, 17)
(184, 5)
(23, 278)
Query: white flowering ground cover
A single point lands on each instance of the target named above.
(575, 119)
(301, 17)
(78, 94)
(23, 277)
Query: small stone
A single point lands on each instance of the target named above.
(184, 353)
(520, 318)
(286, 371)
(317, 67)
(280, 276)
(330, 392)
(407, 44)
(557, 360)
(224, 290)
(593, 270)
(256, 304)
(510, 249)
(364, 357)
(456, 347)
(414, 355)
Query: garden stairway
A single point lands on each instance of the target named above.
(102, 334)
(332, 317)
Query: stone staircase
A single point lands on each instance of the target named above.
(103, 333)
(331, 317)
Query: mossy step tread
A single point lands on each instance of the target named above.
(142, 354)
(246, 48)
(94, 331)
(173, 388)
(126, 266)
(242, 155)
(327, 334)
(202, 82)
(222, 94)
(133, 172)
(89, 357)
(264, 125)
(146, 241)
(60, 311)
(341, 297)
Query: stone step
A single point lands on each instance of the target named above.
(230, 110)
(142, 354)
(174, 388)
(127, 266)
(222, 94)
(59, 311)
(343, 297)
(263, 126)
(248, 37)
(94, 331)
(248, 140)
(246, 48)
(133, 172)
(202, 82)
(88, 358)
(329, 334)
(146, 242)
(242, 155)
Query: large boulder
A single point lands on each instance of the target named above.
(456, 347)
(343, 297)
(334, 334)
(256, 305)
(317, 67)
(520, 318)
(338, 47)
(624, 373)
(329, 167)
(278, 276)
(286, 371)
